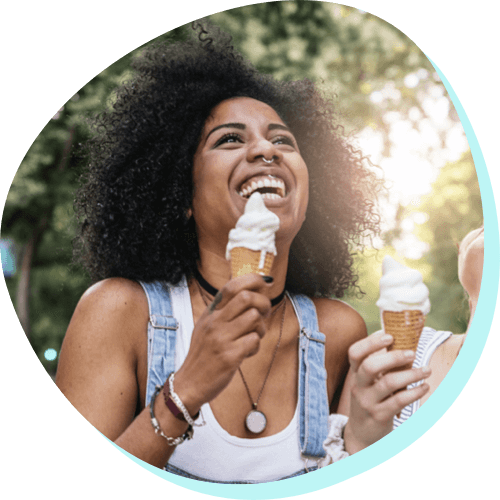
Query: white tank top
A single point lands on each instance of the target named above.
(261, 459)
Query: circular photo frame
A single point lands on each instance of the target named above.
(64, 446)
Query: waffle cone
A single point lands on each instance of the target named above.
(246, 261)
(405, 327)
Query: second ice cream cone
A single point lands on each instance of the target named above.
(405, 327)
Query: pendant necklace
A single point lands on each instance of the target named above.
(255, 421)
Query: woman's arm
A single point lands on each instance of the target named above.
(107, 336)
(97, 369)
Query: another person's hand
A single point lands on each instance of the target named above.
(377, 394)
(228, 331)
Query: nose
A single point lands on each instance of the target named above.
(264, 150)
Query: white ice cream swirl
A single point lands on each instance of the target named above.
(255, 229)
(402, 288)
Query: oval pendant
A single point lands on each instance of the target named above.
(256, 421)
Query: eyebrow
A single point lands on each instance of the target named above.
(242, 126)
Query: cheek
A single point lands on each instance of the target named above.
(305, 186)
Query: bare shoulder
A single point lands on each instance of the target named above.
(108, 318)
(441, 362)
(114, 294)
(447, 352)
(342, 326)
(97, 368)
(116, 300)
(340, 320)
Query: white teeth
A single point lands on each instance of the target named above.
(271, 196)
(270, 182)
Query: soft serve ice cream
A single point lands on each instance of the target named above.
(402, 288)
(403, 303)
(251, 247)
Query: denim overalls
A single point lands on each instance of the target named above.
(312, 391)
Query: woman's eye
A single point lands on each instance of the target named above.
(283, 139)
(228, 139)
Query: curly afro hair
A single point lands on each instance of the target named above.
(138, 182)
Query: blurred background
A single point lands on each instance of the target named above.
(391, 102)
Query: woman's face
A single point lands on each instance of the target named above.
(470, 261)
(229, 165)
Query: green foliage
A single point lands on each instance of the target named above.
(451, 211)
(454, 208)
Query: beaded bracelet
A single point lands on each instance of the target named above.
(156, 426)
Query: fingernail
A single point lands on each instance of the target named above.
(409, 354)
(386, 338)
(268, 279)
(426, 370)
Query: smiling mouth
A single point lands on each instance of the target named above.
(268, 186)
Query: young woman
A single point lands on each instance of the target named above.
(262, 359)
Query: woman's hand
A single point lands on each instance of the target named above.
(375, 394)
(227, 332)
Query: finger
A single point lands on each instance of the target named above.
(393, 382)
(251, 282)
(244, 301)
(395, 403)
(360, 350)
(250, 321)
(376, 365)
(246, 346)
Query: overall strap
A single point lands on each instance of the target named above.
(313, 396)
(162, 330)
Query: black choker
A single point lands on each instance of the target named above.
(213, 291)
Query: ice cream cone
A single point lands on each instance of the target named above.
(405, 327)
(404, 304)
(251, 244)
(246, 261)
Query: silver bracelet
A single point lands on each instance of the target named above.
(334, 443)
(180, 404)
(156, 426)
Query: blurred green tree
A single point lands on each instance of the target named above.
(441, 220)
(452, 210)
(39, 217)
